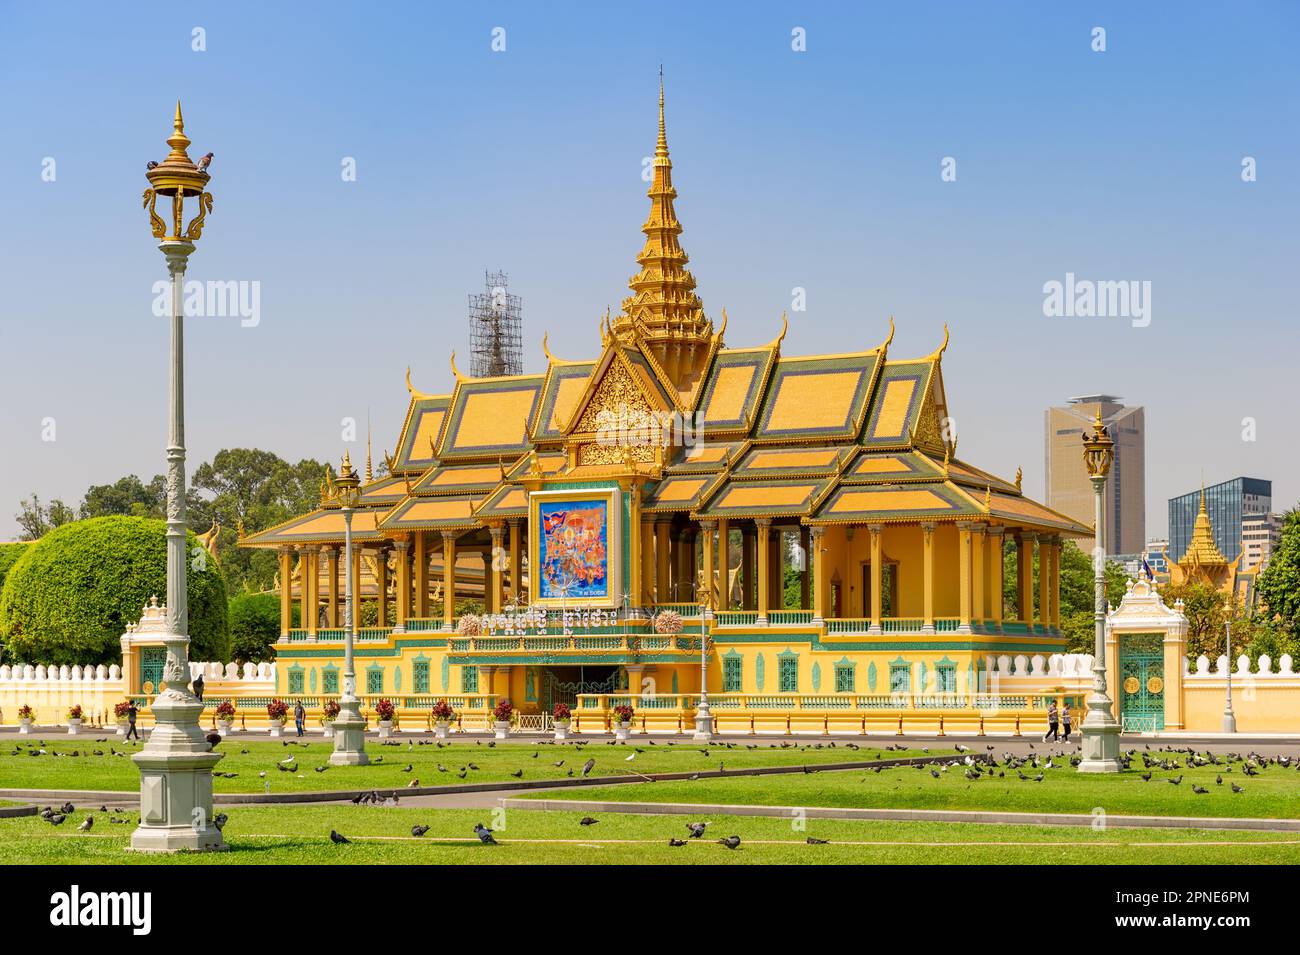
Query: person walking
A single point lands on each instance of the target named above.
(1053, 722)
(1065, 722)
(132, 711)
(299, 716)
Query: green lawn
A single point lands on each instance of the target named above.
(1275, 793)
(299, 835)
(96, 766)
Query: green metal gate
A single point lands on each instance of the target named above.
(1141, 689)
(152, 661)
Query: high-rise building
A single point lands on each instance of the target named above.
(1228, 505)
(1260, 534)
(1068, 488)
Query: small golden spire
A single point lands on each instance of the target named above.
(661, 147)
(370, 471)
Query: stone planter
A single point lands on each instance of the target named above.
(441, 729)
(276, 729)
(327, 728)
(562, 729)
(74, 726)
(385, 729)
(223, 727)
(501, 729)
(622, 730)
(123, 727)
(25, 726)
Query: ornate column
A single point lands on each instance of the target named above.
(381, 586)
(877, 578)
(764, 526)
(775, 568)
(421, 559)
(401, 548)
(706, 571)
(1025, 576)
(817, 559)
(516, 566)
(489, 584)
(804, 602)
(724, 565)
(927, 583)
(997, 570)
(1054, 590)
(305, 621)
(647, 557)
(286, 590)
(355, 571)
(749, 600)
(332, 582)
(963, 554)
(979, 585)
(448, 580)
(662, 546)
(497, 565)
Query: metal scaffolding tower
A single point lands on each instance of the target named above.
(495, 339)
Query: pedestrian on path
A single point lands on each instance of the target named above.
(299, 716)
(1052, 722)
(132, 712)
(1065, 721)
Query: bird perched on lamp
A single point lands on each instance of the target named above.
(204, 162)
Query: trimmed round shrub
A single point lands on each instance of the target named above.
(254, 622)
(9, 554)
(70, 596)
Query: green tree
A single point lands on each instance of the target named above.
(1077, 593)
(128, 495)
(36, 519)
(1278, 586)
(69, 597)
(1207, 611)
(254, 621)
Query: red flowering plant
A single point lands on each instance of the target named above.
(330, 711)
(25, 712)
(623, 713)
(277, 710)
(122, 710)
(226, 711)
(75, 712)
(442, 712)
(562, 713)
(504, 711)
(384, 709)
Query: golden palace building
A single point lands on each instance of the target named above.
(807, 517)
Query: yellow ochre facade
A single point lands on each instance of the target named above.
(612, 512)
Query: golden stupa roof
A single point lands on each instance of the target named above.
(858, 437)
(1202, 551)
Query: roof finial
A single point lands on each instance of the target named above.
(661, 148)
(370, 470)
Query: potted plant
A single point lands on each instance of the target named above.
(74, 719)
(277, 712)
(120, 714)
(225, 717)
(385, 710)
(329, 713)
(501, 716)
(563, 718)
(25, 719)
(622, 721)
(443, 715)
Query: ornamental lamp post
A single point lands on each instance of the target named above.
(703, 717)
(1100, 729)
(349, 725)
(176, 763)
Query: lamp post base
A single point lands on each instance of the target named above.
(1229, 722)
(176, 781)
(703, 724)
(349, 736)
(1101, 748)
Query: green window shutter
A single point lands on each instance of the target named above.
(420, 676)
(295, 681)
(788, 675)
(732, 674)
(845, 678)
(469, 679)
(374, 680)
(330, 680)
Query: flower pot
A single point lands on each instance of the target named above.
(622, 730)
(277, 729)
(74, 726)
(562, 729)
(327, 729)
(123, 727)
(501, 729)
(25, 725)
(385, 729)
(223, 727)
(441, 729)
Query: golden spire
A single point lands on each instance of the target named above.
(370, 471)
(663, 308)
(1202, 551)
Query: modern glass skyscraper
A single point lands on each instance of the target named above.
(1227, 504)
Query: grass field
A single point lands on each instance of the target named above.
(299, 835)
(95, 766)
(1274, 793)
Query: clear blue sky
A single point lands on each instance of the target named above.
(817, 169)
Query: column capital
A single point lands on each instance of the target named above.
(997, 530)
(449, 537)
(928, 526)
(402, 545)
(708, 525)
(497, 531)
(876, 528)
(978, 528)
(1027, 537)
(816, 530)
(762, 522)
(965, 526)
(286, 549)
